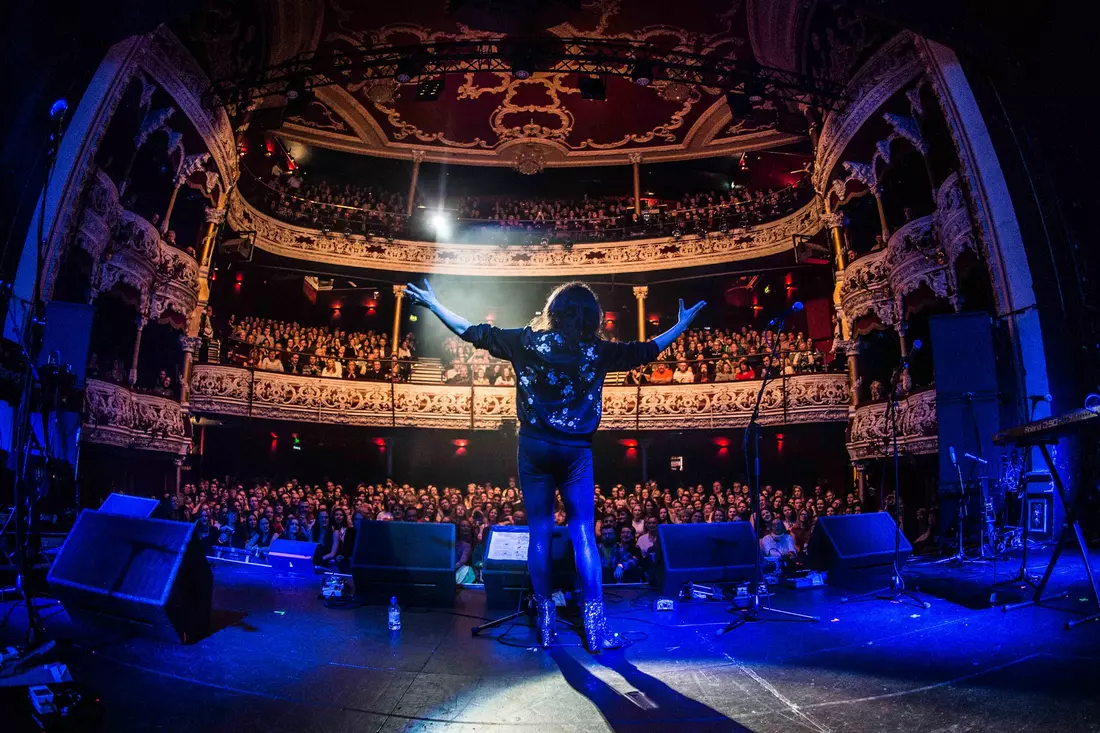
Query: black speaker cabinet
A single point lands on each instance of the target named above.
(704, 553)
(145, 574)
(504, 571)
(411, 560)
(854, 542)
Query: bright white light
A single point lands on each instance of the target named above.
(441, 225)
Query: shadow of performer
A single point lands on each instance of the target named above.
(662, 708)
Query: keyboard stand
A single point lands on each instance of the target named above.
(1069, 527)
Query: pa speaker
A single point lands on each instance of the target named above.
(855, 541)
(724, 552)
(414, 561)
(505, 569)
(145, 574)
(130, 506)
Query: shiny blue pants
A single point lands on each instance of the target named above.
(543, 469)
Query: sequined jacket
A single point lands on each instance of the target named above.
(559, 386)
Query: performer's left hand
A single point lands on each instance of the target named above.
(424, 296)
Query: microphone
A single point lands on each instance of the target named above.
(951, 451)
(973, 457)
(795, 308)
(917, 344)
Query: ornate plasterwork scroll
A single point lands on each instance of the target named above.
(865, 289)
(869, 430)
(114, 415)
(892, 67)
(637, 255)
(234, 391)
(914, 259)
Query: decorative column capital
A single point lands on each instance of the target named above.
(635, 158)
(641, 291)
(399, 291)
(190, 344)
(215, 216)
(418, 156)
(834, 219)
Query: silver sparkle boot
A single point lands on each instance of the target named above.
(598, 636)
(546, 613)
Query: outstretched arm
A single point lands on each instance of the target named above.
(425, 296)
(685, 318)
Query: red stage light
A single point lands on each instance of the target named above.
(460, 443)
(629, 443)
(380, 442)
(722, 442)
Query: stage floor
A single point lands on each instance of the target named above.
(284, 662)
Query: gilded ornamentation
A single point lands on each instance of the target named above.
(888, 71)
(236, 391)
(113, 415)
(487, 259)
(869, 430)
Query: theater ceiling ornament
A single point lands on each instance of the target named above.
(486, 117)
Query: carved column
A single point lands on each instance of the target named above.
(640, 293)
(635, 159)
(906, 380)
(156, 119)
(215, 217)
(418, 155)
(190, 346)
(851, 351)
(399, 297)
(860, 470)
(179, 473)
(865, 174)
(140, 323)
(836, 222)
(191, 165)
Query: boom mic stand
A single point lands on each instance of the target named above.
(896, 590)
(755, 608)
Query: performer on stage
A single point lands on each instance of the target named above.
(560, 363)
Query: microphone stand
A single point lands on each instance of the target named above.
(752, 430)
(896, 591)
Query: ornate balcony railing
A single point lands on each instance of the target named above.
(869, 430)
(914, 259)
(236, 391)
(637, 255)
(865, 289)
(115, 415)
(127, 249)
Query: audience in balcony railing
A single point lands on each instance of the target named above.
(359, 209)
(292, 348)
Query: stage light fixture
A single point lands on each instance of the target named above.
(441, 225)
(593, 87)
(406, 70)
(642, 73)
(428, 90)
(522, 63)
(754, 90)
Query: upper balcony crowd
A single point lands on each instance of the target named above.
(699, 356)
(346, 208)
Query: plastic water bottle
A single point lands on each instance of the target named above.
(395, 615)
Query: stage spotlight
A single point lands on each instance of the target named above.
(754, 90)
(592, 87)
(568, 245)
(642, 73)
(522, 63)
(406, 70)
(428, 90)
(544, 242)
(441, 225)
(676, 234)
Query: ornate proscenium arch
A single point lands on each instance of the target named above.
(639, 255)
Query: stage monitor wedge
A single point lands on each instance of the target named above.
(855, 542)
(505, 569)
(414, 561)
(704, 553)
(143, 574)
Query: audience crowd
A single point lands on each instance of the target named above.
(366, 209)
(249, 517)
(279, 346)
